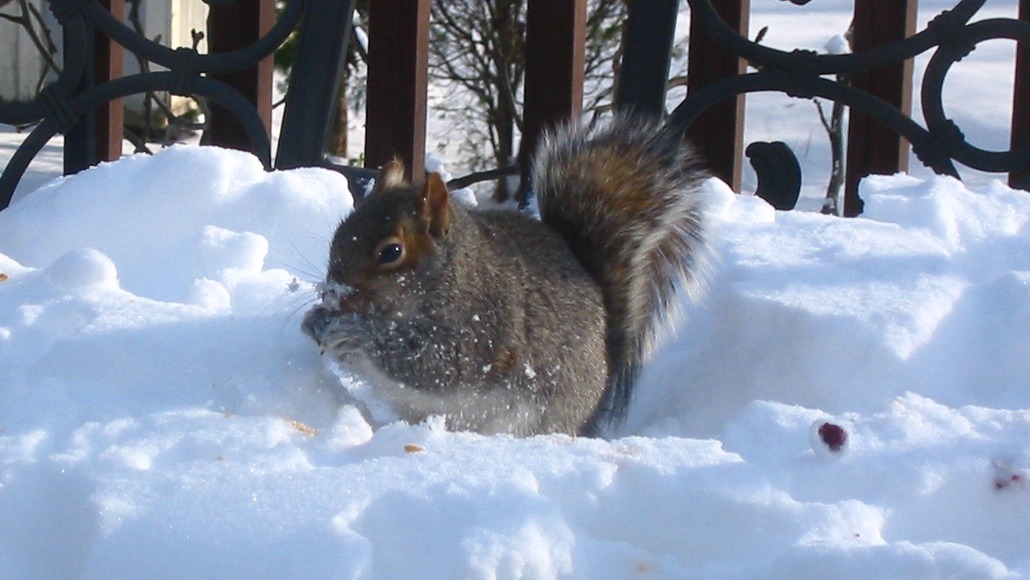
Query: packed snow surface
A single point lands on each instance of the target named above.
(851, 400)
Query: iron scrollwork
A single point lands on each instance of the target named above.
(61, 103)
(799, 73)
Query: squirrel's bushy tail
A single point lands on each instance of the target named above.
(625, 198)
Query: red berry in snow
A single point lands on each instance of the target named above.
(834, 436)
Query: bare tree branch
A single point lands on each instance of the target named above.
(478, 48)
(29, 19)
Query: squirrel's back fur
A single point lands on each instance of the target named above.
(507, 324)
(625, 199)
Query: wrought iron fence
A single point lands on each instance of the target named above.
(66, 102)
(938, 143)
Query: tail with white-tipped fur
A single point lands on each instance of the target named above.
(625, 198)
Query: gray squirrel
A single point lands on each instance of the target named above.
(503, 323)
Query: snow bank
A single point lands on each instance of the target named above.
(161, 415)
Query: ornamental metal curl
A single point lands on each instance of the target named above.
(63, 102)
(51, 124)
(800, 73)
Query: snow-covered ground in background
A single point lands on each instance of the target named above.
(162, 416)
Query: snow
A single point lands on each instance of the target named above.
(161, 414)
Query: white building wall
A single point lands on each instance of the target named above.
(20, 62)
(171, 23)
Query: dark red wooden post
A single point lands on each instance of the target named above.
(398, 62)
(1021, 100)
(231, 26)
(719, 132)
(110, 117)
(873, 148)
(555, 49)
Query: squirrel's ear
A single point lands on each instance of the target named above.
(391, 176)
(436, 207)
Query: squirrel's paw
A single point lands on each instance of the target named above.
(338, 333)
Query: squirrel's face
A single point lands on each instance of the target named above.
(381, 251)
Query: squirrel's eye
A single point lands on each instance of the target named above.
(390, 253)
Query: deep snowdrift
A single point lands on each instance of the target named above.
(161, 415)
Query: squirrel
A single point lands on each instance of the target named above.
(503, 323)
